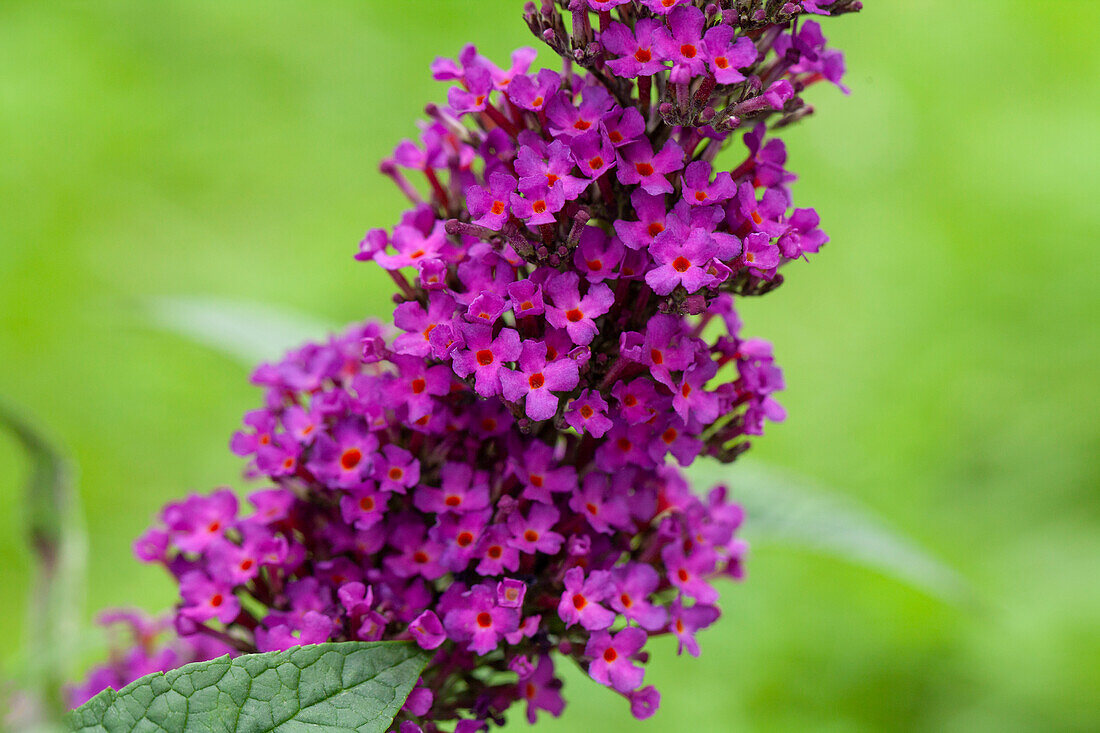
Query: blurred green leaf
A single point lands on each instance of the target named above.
(57, 538)
(783, 508)
(347, 686)
(248, 332)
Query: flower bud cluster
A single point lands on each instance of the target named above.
(495, 477)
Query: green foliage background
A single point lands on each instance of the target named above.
(942, 353)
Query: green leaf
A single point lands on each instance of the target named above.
(785, 509)
(247, 332)
(346, 686)
(58, 542)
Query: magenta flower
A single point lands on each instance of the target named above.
(611, 664)
(688, 620)
(427, 631)
(580, 599)
(534, 532)
(567, 120)
(633, 584)
(593, 152)
(725, 56)
(640, 51)
(536, 380)
(463, 490)
(510, 593)
(205, 599)
(525, 298)
(539, 202)
(490, 206)
(574, 312)
(760, 253)
(588, 414)
(638, 165)
(598, 255)
(533, 94)
(684, 44)
(698, 190)
(541, 690)
(604, 509)
(484, 356)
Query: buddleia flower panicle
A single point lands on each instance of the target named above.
(495, 475)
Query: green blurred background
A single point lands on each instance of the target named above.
(942, 353)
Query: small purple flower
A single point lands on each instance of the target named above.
(662, 7)
(725, 58)
(533, 93)
(688, 572)
(497, 555)
(761, 254)
(634, 583)
(464, 490)
(643, 702)
(364, 506)
(698, 189)
(346, 458)
(541, 690)
(396, 470)
(623, 127)
(525, 298)
(538, 203)
(574, 312)
(427, 631)
(204, 599)
(541, 475)
(588, 414)
(680, 261)
(568, 121)
(533, 533)
(486, 308)
(638, 165)
(640, 52)
(313, 628)
(480, 621)
(610, 655)
(198, 521)
(484, 356)
(598, 255)
(412, 246)
(687, 620)
(691, 400)
(489, 207)
(651, 212)
(580, 601)
(510, 593)
(593, 153)
(419, 323)
(803, 236)
(604, 509)
(684, 45)
(536, 380)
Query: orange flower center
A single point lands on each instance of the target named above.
(350, 458)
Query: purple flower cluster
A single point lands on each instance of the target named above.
(495, 476)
